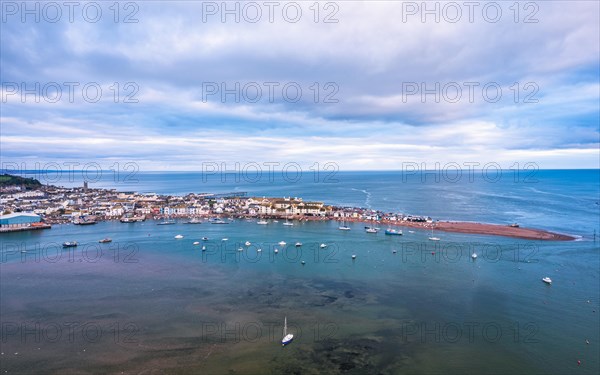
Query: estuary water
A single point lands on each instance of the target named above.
(148, 303)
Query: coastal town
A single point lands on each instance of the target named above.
(27, 204)
(50, 204)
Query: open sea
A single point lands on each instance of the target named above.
(148, 303)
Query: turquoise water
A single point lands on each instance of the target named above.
(149, 303)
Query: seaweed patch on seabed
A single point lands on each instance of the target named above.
(302, 294)
(340, 356)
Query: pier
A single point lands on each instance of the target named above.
(23, 229)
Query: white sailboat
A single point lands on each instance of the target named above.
(432, 238)
(287, 337)
(344, 226)
(287, 222)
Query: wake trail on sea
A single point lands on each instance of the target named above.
(367, 198)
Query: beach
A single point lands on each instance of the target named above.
(472, 228)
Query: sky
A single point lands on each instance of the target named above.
(365, 85)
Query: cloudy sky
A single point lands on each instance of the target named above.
(367, 85)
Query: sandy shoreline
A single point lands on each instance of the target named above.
(471, 228)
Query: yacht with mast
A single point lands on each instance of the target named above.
(344, 226)
(432, 238)
(287, 337)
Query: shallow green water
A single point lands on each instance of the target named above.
(148, 303)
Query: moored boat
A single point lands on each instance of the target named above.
(194, 221)
(132, 219)
(393, 232)
(287, 337)
(166, 222)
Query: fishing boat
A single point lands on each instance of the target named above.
(514, 225)
(393, 232)
(547, 280)
(219, 221)
(179, 236)
(105, 240)
(287, 337)
(282, 243)
(85, 221)
(474, 256)
(204, 238)
(298, 244)
(224, 239)
(247, 243)
(322, 246)
(276, 251)
(262, 222)
(196, 243)
(371, 230)
(70, 244)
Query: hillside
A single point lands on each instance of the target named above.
(10, 180)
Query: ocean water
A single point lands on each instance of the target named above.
(148, 303)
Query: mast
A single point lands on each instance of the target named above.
(285, 327)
